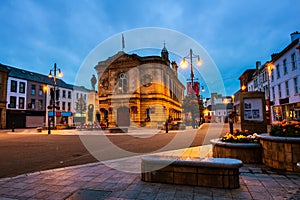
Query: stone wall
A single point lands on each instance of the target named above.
(281, 152)
(192, 172)
(247, 155)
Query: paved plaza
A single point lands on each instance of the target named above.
(121, 179)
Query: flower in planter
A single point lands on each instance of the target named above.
(286, 129)
(240, 137)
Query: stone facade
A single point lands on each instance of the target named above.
(3, 94)
(138, 91)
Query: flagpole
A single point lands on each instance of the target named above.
(123, 42)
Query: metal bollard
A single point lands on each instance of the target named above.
(13, 127)
(231, 126)
(167, 127)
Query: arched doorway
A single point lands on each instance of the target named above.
(123, 117)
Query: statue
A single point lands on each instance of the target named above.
(93, 82)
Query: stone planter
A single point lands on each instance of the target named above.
(280, 152)
(246, 152)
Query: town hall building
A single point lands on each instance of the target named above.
(139, 91)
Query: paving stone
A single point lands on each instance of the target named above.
(88, 195)
(256, 182)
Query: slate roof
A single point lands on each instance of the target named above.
(32, 76)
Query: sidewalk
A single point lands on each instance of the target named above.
(256, 181)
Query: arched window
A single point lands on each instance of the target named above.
(122, 84)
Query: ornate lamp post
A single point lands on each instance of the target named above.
(184, 64)
(53, 98)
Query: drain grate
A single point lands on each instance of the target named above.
(86, 194)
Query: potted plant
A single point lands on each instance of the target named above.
(240, 145)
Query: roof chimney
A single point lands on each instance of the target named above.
(295, 36)
(258, 64)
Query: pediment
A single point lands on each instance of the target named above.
(120, 59)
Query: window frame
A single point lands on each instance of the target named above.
(33, 89)
(14, 100)
(22, 87)
(296, 89)
(21, 103)
(294, 61)
(13, 86)
(287, 91)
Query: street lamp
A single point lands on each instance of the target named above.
(184, 65)
(45, 89)
(53, 98)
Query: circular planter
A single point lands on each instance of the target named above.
(280, 152)
(246, 152)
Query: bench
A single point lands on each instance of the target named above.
(118, 130)
(205, 172)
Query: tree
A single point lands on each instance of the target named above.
(194, 105)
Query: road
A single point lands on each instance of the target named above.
(29, 152)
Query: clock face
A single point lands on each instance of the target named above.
(146, 80)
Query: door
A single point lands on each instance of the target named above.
(123, 117)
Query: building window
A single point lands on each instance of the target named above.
(40, 104)
(287, 88)
(278, 71)
(69, 106)
(296, 85)
(41, 90)
(21, 102)
(279, 90)
(63, 105)
(294, 65)
(13, 86)
(32, 103)
(284, 67)
(148, 113)
(122, 85)
(64, 94)
(33, 89)
(22, 87)
(273, 93)
(12, 102)
(69, 94)
(77, 96)
(85, 97)
(272, 74)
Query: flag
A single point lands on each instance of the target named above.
(192, 89)
(123, 42)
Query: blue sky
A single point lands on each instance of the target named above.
(235, 33)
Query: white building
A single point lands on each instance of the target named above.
(16, 93)
(285, 82)
(218, 108)
(63, 100)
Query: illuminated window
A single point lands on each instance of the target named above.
(122, 84)
(22, 87)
